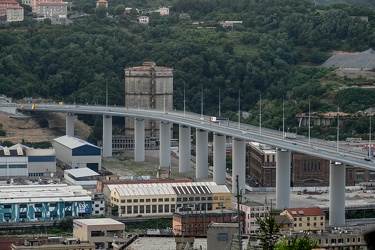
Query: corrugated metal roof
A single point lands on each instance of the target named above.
(81, 172)
(362, 60)
(42, 193)
(73, 142)
(182, 188)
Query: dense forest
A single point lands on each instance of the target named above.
(271, 59)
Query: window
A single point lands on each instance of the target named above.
(129, 209)
(160, 200)
(222, 237)
(166, 208)
(221, 198)
(173, 208)
(300, 219)
(300, 224)
(209, 198)
(38, 215)
(142, 200)
(178, 199)
(160, 208)
(23, 215)
(142, 209)
(197, 198)
(172, 199)
(135, 200)
(68, 204)
(38, 205)
(308, 224)
(185, 199)
(7, 206)
(123, 209)
(148, 209)
(321, 223)
(153, 200)
(321, 218)
(23, 205)
(191, 198)
(295, 224)
(123, 201)
(216, 198)
(203, 198)
(153, 209)
(295, 219)
(314, 224)
(129, 200)
(135, 209)
(68, 213)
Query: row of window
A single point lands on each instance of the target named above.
(147, 209)
(197, 198)
(24, 205)
(14, 166)
(308, 224)
(308, 218)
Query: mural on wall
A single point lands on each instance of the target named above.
(44, 211)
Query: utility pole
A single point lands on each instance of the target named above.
(239, 214)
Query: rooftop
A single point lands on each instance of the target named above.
(98, 222)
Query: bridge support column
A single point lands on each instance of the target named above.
(337, 195)
(107, 136)
(184, 149)
(139, 140)
(69, 123)
(165, 144)
(201, 170)
(238, 165)
(219, 161)
(282, 179)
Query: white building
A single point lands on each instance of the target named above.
(52, 9)
(81, 176)
(253, 210)
(22, 161)
(73, 152)
(143, 19)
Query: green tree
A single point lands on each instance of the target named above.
(101, 11)
(119, 9)
(268, 230)
(297, 243)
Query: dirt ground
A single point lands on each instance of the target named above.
(38, 129)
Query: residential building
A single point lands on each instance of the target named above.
(195, 223)
(52, 9)
(163, 199)
(10, 11)
(72, 152)
(98, 204)
(22, 161)
(102, 231)
(143, 19)
(21, 203)
(253, 210)
(312, 218)
(261, 164)
(164, 11)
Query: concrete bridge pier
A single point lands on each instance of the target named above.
(238, 165)
(165, 144)
(107, 136)
(282, 178)
(201, 170)
(139, 140)
(184, 149)
(337, 194)
(69, 124)
(219, 161)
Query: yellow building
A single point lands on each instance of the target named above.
(312, 218)
(158, 199)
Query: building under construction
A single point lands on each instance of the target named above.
(148, 87)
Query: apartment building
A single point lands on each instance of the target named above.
(312, 218)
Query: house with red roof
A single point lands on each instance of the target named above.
(308, 218)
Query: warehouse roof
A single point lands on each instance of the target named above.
(81, 172)
(72, 142)
(98, 222)
(358, 60)
(183, 188)
(42, 193)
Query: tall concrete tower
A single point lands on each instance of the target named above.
(148, 87)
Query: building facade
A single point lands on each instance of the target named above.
(253, 210)
(148, 87)
(305, 219)
(43, 202)
(163, 199)
(196, 223)
(52, 9)
(11, 11)
(102, 231)
(261, 164)
(21, 161)
(72, 152)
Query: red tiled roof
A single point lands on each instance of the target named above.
(306, 211)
